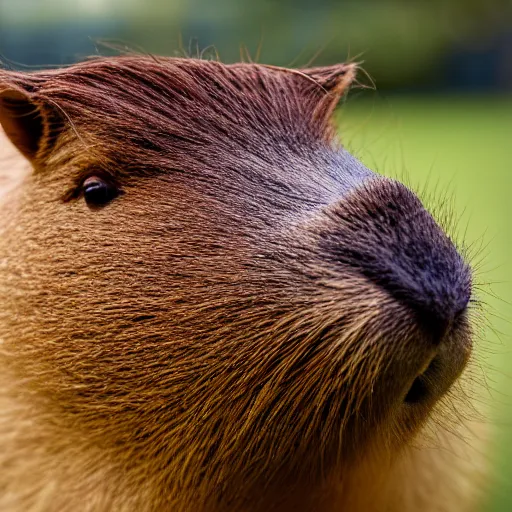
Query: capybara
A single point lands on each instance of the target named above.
(209, 305)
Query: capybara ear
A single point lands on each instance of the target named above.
(315, 91)
(28, 122)
(331, 83)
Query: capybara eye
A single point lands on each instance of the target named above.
(98, 191)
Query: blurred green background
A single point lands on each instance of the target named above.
(441, 113)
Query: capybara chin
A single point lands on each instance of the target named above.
(208, 305)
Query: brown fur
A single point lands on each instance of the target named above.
(190, 346)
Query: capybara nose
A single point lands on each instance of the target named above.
(387, 235)
(437, 315)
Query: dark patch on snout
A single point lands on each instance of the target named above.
(384, 233)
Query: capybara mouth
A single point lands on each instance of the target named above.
(440, 371)
(421, 387)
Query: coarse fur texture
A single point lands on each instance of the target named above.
(256, 322)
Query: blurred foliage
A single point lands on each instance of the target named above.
(405, 44)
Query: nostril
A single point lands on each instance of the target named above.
(435, 324)
(438, 317)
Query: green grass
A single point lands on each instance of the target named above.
(462, 146)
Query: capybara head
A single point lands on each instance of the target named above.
(201, 284)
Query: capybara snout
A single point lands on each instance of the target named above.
(382, 232)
